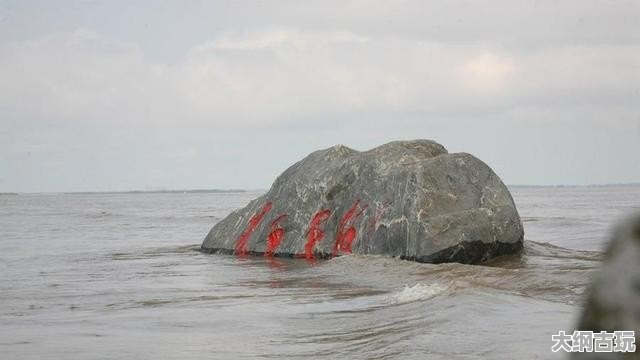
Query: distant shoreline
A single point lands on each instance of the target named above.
(230, 191)
(192, 191)
(576, 186)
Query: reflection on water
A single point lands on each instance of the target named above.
(119, 276)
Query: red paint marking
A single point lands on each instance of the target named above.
(275, 236)
(315, 233)
(243, 239)
(346, 231)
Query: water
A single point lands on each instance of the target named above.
(117, 276)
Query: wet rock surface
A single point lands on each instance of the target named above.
(408, 199)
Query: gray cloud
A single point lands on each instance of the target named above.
(544, 92)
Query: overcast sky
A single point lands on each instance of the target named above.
(121, 95)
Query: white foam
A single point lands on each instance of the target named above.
(417, 292)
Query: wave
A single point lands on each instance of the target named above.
(542, 271)
(100, 215)
(545, 249)
(417, 292)
(156, 252)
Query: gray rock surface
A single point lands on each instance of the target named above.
(613, 300)
(409, 199)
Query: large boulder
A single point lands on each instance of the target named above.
(409, 199)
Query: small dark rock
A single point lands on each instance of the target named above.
(613, 300)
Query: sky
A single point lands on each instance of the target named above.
(148, 95)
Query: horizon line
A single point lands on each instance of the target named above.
(216, 190)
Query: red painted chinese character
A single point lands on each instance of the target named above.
(275, 236)
(243, 239)
(346, 231)
(315, 233)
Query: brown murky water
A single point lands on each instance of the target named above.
(113, 276)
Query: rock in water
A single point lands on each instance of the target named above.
(409, 199)
(613, 300)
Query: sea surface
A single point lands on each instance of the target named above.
(118, 276)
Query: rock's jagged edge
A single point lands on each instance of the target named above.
(444, 207)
